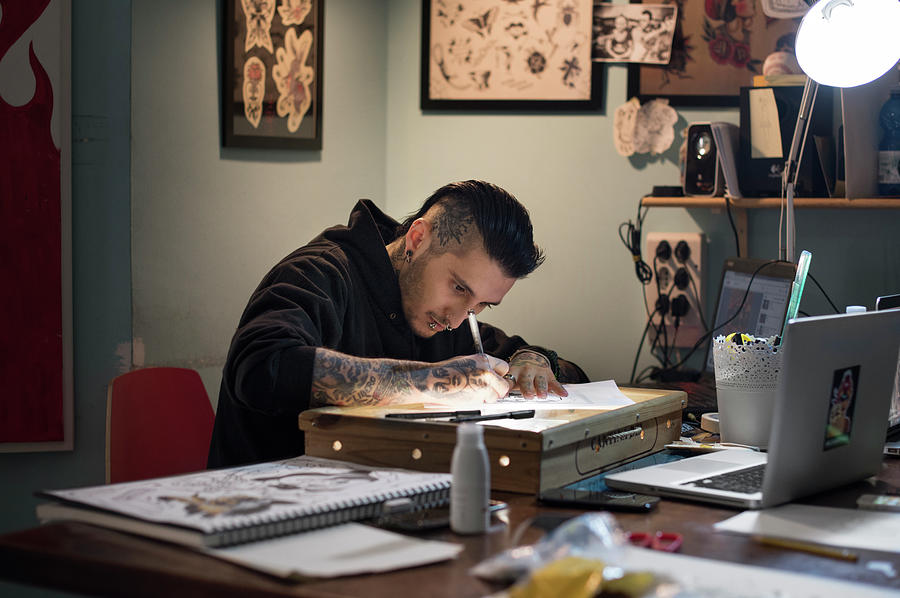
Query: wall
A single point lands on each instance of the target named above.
(586, 301)
(101, 72)
(157, 200)
(207, 221)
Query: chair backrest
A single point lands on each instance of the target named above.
(159, 422)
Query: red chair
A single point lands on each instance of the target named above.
(159, 422)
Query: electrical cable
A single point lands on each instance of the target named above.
(633, 243)
(705, 337)
(640, 346)
(830, 302)
(737, 243)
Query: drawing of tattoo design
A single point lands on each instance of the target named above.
(258, 14)
(254, 89)
(293, 78)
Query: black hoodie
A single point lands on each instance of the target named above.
(341, 292)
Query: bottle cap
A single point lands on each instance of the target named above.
(469, 433)
(856, 309)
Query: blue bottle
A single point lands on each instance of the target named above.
(889, 148)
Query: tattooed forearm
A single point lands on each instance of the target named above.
(340, 379)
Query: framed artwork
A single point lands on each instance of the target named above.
(37, 402)
(272, 79)
(502, 55)
(719, 45)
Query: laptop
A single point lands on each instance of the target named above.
(828, 426)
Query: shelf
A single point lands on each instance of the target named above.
(773, 202)
(740, 207)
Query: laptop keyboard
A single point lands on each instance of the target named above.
(746, 481)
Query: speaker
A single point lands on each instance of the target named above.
(702, 173)
(760, 176)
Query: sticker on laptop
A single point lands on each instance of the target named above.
(840, 409)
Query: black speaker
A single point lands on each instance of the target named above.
(761, 177)
(702, 174)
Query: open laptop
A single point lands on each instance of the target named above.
(838, 377)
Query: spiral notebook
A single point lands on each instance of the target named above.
(237, 505)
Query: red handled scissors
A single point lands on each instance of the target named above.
(664, 541)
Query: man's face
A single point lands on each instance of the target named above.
(439, 290)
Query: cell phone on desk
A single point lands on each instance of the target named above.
(879, 502)
(611, 500)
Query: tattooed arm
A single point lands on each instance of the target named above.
(340, 379)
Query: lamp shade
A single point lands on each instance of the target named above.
(845, 43)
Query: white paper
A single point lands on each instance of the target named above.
(765, 128)
(845, 528)
(706, 578)
(348, 549)
(591, 395)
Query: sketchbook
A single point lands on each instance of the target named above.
(237, 505)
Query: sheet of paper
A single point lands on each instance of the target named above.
(846, 528)
(765, 128)
(348, 549)
(707, 577)
(591, 395)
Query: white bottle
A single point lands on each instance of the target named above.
(470, 491)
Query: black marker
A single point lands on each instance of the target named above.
(524, 414)
(430, 414)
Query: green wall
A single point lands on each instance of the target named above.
(172, 231)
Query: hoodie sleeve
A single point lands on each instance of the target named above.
(297, 307)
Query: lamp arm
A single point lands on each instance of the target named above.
(792, 166)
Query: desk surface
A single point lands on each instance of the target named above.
(85, 559)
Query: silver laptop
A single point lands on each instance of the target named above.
(837, 367)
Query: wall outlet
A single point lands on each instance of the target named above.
(683, 264)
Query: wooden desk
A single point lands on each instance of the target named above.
(85, 559)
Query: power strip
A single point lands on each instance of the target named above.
(678, 261)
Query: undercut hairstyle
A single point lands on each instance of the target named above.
(501, 222)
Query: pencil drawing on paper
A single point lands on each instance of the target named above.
(503, 49)
(208, 500)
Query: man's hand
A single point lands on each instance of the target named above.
(340, 379)
(533, 375)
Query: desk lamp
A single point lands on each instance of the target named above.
(840, 43)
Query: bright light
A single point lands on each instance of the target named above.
(845, 43)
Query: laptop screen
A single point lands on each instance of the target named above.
(767, 300)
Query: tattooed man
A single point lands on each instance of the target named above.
(372, 313)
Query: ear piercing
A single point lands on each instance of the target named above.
(408, 256)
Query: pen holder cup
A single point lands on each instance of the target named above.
(746, 378)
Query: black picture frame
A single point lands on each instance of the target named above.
(264, 116)
(713, 55)
(593, 100)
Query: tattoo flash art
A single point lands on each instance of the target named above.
(293, 12)
(273, 96)
(254, 89)
(258, 14)
(501, 49)
(293, 77)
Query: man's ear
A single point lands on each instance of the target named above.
(419, 235)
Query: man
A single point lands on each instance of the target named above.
(371, 313)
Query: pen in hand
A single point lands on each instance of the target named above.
(476, 335)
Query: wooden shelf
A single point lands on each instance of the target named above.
(740, 206)
(773, 202)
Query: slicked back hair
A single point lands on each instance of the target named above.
(501, 221)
